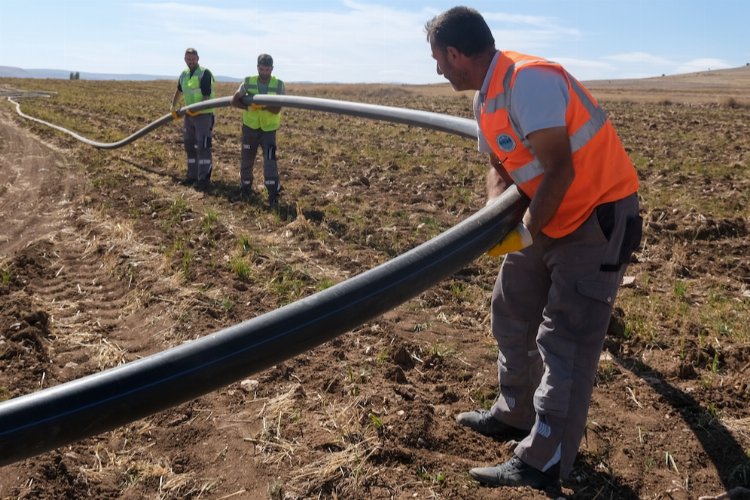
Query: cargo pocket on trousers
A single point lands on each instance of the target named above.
(598, 290)
(592, 316)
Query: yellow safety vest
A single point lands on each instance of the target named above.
(261, 118)
(191, 87)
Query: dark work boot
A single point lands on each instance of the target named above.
(483, 422)
(514, 472)
(246, 190)
(273, 198)
(203, 184)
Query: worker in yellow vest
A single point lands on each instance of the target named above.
(259, 125)
(196, 84)
(563, 264)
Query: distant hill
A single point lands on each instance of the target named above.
(62, 74)
(731, 77)
(714, 86)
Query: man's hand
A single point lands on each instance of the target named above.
(256, 107)
(518, 239)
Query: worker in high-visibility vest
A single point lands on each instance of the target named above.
(196, 84)
(259, 125)
(563, 263)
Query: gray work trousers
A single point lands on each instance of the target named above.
(550, 310)
(197, 139)
(251, 139)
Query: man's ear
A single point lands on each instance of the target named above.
(452, 53)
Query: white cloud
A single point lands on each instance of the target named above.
(528, 33)
(361, 42)
(349, 41)
(639, 58)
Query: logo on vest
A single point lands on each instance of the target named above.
(506, 143)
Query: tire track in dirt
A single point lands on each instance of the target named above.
(108, 301)
(85, 304)
(86, 286)
(36, 189)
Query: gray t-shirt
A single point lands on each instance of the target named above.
(538, 101)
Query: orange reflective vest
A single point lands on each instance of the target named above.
(603, 171)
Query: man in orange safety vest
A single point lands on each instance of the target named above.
(563, 264)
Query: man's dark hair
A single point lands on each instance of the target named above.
(191, 50)
(463, 28)
(265, 60)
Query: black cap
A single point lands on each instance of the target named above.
(191, 50)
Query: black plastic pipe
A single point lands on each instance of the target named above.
(63, 414)
(426, 119)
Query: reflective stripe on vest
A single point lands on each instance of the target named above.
(603, 172)
(191, 87)
(597, 119)
(261, 118)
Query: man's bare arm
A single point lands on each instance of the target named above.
(551, 146)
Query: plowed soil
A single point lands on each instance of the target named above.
(107, 258)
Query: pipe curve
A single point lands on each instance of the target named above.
(59, 415)
(426, 119)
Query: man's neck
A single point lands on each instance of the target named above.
(484, 62)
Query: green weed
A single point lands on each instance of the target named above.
(289, 284)
(376, 422)
(383, 356)
(209, 220)
(607, 372)
(179, 208)
(680, 290)
(6, 275)
(484, 397)
(421, 327)
(423, 473)
(324, 283)
(186, 264)
(438, 350)
(715, 363)
(244, 244)
(226, 304)
(241, 268)
(458, 290)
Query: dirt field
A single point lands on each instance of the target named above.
(106, 258)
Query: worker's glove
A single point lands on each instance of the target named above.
(517, 239)
(256, 107)
(175, 115)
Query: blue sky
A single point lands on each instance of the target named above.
(368, 40)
